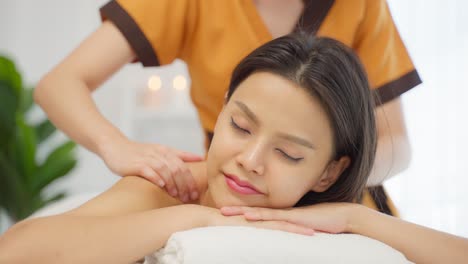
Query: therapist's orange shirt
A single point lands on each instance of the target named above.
(212, 36)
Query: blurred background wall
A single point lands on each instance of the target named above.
(152, 105)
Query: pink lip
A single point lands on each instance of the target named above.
(239, 186)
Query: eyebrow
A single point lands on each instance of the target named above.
(248, 112)
(288, 137)
(297, 140)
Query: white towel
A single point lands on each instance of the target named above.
(229, 245)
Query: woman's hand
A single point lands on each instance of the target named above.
(160, 165)
(326, 217)
(215, 218)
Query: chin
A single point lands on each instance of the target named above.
(227, 199)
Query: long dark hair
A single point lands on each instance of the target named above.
(331, 72)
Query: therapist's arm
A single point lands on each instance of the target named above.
(393, 147)
(65, 95)
(66, 89)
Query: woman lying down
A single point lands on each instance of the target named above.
(292, 150)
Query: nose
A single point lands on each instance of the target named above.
(251, 158)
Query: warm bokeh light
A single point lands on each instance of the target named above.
(154, 83)
(179, 83)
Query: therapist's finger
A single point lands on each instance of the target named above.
(187, 156)
(185, 179)
(177, 174)
(149, 174)
(160, 167)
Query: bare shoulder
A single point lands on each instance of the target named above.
(129, 195)
(133, 194)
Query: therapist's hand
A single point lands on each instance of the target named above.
(326, 217)
(159, 164)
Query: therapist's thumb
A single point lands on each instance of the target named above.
(188, 157)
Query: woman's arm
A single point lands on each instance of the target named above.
(119, 226)
(419, 244)
(96, 239)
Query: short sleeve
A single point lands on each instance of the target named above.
(156, 30)
(380, 48)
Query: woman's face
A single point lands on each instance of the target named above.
(272, 144)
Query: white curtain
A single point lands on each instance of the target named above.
(432, 191)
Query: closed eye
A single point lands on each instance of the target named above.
(285, 155)
(237, 127)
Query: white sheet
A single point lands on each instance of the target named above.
(229, 245)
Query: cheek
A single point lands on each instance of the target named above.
(225, 142)
(287, 187)
(223, 148)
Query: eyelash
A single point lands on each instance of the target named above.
(289, 157)
(237, 127)
(242, 130)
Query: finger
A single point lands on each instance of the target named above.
(285, 226)
(180, 184)
(252, 212)
(237, 210)
(176, 173)
(149, 174)
(192, 188)
(232, 210)
(161, 168)
(187, 156)
(187, 184)
(266, 214)
(187, 178)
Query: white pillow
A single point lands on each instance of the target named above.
(252, 245)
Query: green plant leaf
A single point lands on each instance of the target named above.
(44, 202)
(44, 130)
(26, 100)
(25, 157)
(13, 194)
(21, 181)
(10, 76)
(58, 164)
(8, 105)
